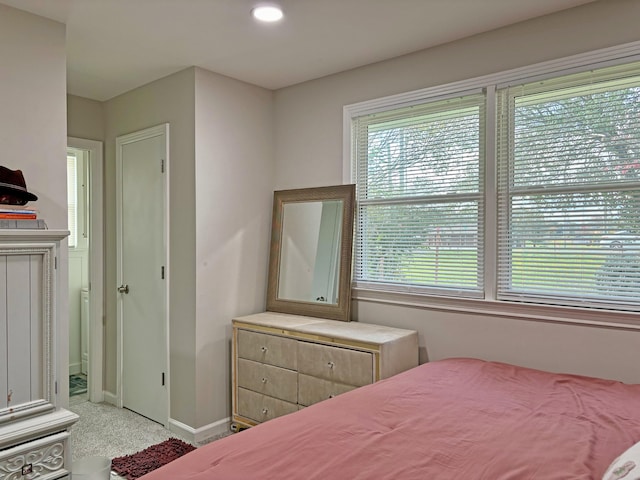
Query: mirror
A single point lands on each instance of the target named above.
(310, 258)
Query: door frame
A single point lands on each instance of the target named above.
(96, 263)
(121, 141)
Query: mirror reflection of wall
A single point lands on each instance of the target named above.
(310, 254)
(310, 251)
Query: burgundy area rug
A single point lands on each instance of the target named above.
(136, 465)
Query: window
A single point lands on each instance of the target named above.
(77, 197)
(569, 189)
(523, 192)
(419, 173)
(72, 198)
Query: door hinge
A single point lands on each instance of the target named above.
(163, 379)
(55, 387)
(162, 165)
(55, 263)
(162, 272)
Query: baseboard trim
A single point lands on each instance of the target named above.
(111, 398)
(75, 368)
(195, 435)
(200, 434)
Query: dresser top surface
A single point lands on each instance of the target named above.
(364, 332)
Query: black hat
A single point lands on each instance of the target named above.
(13, 189)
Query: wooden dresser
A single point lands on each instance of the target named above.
(282, 363)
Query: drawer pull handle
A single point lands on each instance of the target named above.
(265, 411)
(264, 380)
(263, 349)
(331, 364)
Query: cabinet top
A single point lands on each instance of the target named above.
(364, 332)
(16, 234)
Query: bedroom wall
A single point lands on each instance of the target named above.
(85, 118)
(233, 193)
(170, 99)
(32, 108)
(308, 139)
(221, 179)
(33, 131)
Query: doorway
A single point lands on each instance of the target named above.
(86, 265)
(142, 246)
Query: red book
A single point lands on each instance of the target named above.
(16, 216)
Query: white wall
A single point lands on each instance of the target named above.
(170, 99)
(308, 128)
(78, 279)
(33, 131)
(233, 195)
(221, 184)
(85, 118)
(32, 108)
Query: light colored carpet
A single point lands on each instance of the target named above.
(108, 431)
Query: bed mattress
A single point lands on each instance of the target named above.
(450, 419)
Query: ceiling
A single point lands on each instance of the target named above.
(114, 46)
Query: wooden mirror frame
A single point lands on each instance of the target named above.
(341, 310)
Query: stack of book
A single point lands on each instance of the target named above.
(13, 216)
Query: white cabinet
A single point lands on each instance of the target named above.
(282, 363)
(34, 430)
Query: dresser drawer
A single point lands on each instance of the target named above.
(336, 364)
(260, 407)
(42, 459)
(268, 380)
(265, 348)
(313, 390)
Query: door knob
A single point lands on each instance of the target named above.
(123, 289)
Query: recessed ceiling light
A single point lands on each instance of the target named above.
(267, 13)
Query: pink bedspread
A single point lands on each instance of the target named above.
(459, 419)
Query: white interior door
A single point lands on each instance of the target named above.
(142, 259)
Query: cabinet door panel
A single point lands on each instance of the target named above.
(23, 326)
(336, 364)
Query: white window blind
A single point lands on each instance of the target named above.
(569, 190)
(72, 198)
(419, 176)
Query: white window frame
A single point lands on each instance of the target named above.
(470, 100)
(82, 201)
(626, 53)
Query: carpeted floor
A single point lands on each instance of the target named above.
(107, 431)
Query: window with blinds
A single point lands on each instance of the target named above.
(72, 198)
(569, 190)
(563, 191)
(419, 173)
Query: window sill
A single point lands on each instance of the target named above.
(522, 311)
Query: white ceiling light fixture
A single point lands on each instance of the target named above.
(267, 13)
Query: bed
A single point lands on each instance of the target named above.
(460, 419)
